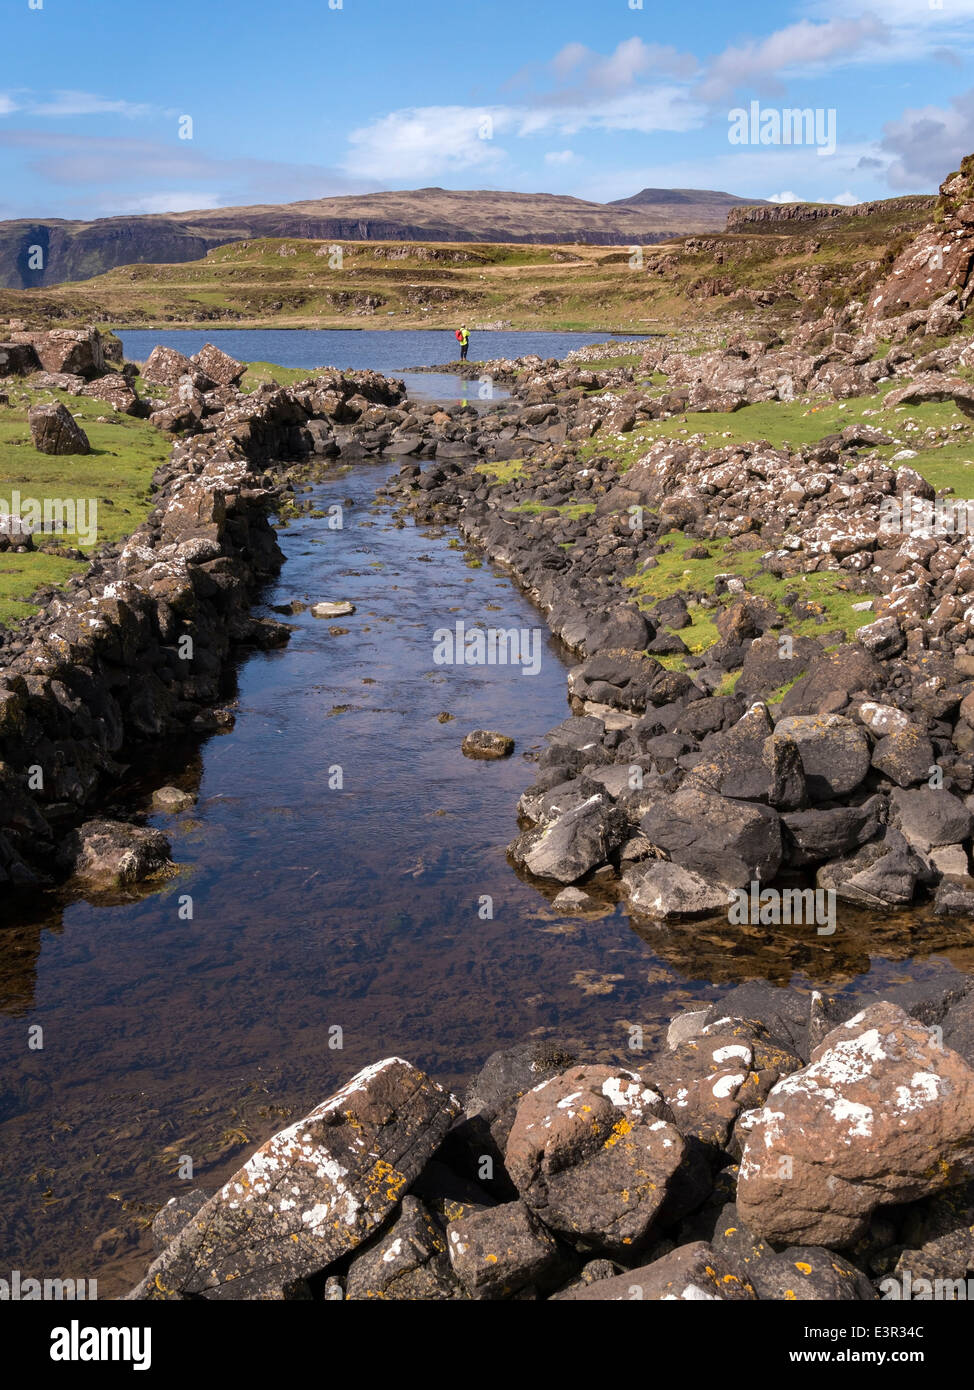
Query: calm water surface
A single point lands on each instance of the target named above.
(391, 352)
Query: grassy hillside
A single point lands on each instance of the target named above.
(286, 282)
(78, 250)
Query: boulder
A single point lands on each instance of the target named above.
(54, 430)
(500, 1252)
(849, 669)
(593, 1153)
(115, 390)
(218, 366)
(884, 873)
(18, 359)
(883, 1114)
(809, 1273)
(314, 1192)
(883, 638)
(752, 762)
(567, 848)
(816, 835)
(730, 841)
(165, 366)
(79, 351)
(905, 756)
(406, 1263)
(930, 817)
(717, 1072)
(666, 892)
(834, 753)
(104, 854)
(484, 743)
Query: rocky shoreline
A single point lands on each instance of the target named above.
(782, 1146)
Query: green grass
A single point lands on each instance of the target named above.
(827, 590)
(571, 511)
(792, 424)
(115, 475)
(501, 470)
(269, 373)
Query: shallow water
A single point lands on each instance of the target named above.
(316, 908)
(382, 351)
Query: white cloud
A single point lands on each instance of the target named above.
(848, 200)
(786, 197)
(630, 60)
(795, 48)
(560, 157)
(71, 103)
(420, 142)
(7, 104)
(424, 142)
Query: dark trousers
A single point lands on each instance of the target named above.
(463, 351)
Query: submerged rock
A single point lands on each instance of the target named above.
(483, 743)
(332, 610)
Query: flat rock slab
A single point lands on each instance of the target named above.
(311, 1194)
(332, 610)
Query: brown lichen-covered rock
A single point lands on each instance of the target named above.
(593, 1152)
(54, 430)
(695, 1273)
(883, 1114)
(219, 366)
(106, 854)
(115, 390)
(312, 1193)
(711, 1077)
(498, 1252)
(76, 350)
(164, 366)
(483, 743)
(407, 1263)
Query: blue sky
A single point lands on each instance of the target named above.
(593, 98)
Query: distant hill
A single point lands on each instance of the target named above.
(707, 203)
(80, 250)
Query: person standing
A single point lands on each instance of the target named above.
(463, 338)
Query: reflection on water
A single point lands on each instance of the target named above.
(314, 909)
